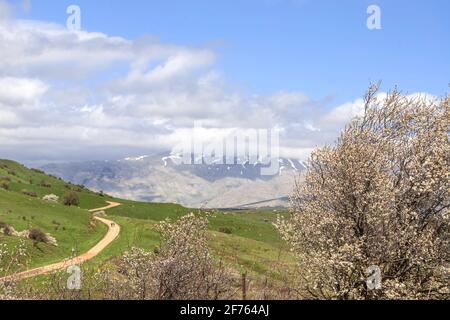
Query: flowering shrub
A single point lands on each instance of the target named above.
(6, 229)
(182, 268)
(10, 258)
(51, 198)
(379, 197)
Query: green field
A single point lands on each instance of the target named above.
(246, 239)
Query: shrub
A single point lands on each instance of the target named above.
(380, 198)
(4, 185)
(51, 198)
(45, 184)
(7, 229)
(182, 268)
(29, 193)
(37, 235)
(71, 199)
(226, 230)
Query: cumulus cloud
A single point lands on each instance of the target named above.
(87, 95)
(17, 91)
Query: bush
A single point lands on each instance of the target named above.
(45, 184)
(29, 193)
(51, 198)
(226, 230)
(377, 200)
(4, 185)
(182, 268)
(7, 229)
(37, 235)
(71, 199)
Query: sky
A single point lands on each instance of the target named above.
(139, 73)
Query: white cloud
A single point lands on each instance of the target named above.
(20, 90)
(66, 94)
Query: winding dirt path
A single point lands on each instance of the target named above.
(111, 235)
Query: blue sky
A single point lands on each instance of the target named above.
(322, 48)
(140, 74)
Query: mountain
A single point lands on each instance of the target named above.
(161, 178)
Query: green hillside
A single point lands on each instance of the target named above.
(70, 226)
(247, 239)
(19, 178)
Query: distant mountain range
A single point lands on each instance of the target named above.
(161, 178)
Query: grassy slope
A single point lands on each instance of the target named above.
(70, 226)
(247, 239)
(30, 180)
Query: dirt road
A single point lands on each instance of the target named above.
(111, 235)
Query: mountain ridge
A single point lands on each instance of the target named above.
(163, 178)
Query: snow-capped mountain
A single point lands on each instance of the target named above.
(164, 178)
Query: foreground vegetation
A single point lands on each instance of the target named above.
(371, 219)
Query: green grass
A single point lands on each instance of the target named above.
(22, 178)
(149, 211)
(248, 239)
(252, 224)
(133, 233)
(70, 226)
(251, 256)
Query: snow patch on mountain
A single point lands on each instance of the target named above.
(163, 178)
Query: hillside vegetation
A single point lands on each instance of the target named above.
(247, 239)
